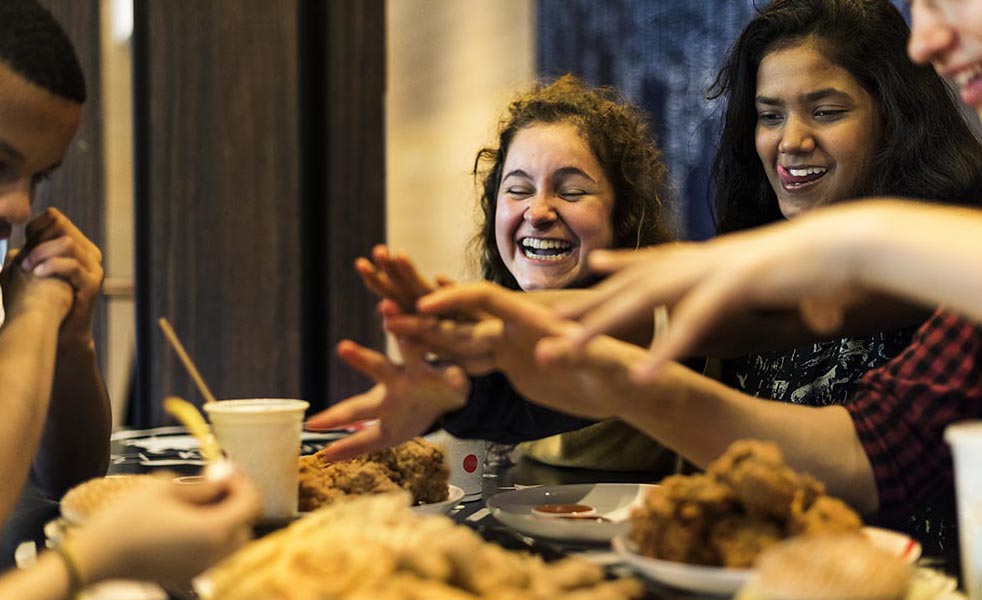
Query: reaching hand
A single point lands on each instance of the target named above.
(587, 392)
(469, 343)
(395, 276)
(405, 401)
(56, 248)
(166, 533)
(793, 264)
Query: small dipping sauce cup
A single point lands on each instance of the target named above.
(262, 437)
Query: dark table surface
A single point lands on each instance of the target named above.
(34, 511)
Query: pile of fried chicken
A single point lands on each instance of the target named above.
(747, 500)
(416, 466)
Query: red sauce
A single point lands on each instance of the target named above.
(563, 509)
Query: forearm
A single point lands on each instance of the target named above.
(47, 580)
(75, 442)
(784, 329)
(700, 418)
(927, 254)
(637, 332)
(27, 355)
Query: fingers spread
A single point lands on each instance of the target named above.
(356, 444)
(367, 361)
(356, 408)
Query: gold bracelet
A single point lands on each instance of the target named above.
(75, 582)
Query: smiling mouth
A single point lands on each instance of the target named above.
(969, 81)
(797, 178)
(549, 250)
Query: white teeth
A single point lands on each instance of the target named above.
(966, 75)
(805, 172)
(544, 244)
(548, 250)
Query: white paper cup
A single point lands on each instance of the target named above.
(262, 436)
(966, 451)
(465, 459)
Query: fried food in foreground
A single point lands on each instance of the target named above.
(761, 480)
(416, 466)
(829, 567)
(375, 547)
(748, 501)
(739, 539)
(87, 498)
(677, 517)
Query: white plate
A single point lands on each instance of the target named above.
(439, 508)
(724, 582)
(612, 501)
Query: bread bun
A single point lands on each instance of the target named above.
(828, 567)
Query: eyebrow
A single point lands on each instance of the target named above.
(821, 94)
(562, 172)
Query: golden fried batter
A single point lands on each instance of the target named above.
(374, 547)
(675, 518)
(761, 480)
(738, 539)
(322, 484)
(826, 515)
(747, 501)
(416, 465)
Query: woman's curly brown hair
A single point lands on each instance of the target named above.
(618, 135)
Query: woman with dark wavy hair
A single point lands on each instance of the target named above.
(836, 111)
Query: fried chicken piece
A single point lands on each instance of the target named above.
(322, 484)
(418, 466)
(825, 515)
(675, 519)
(761, 480)
(740, 538)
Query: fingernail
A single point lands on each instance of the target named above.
(39, 270)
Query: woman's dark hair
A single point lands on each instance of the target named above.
(33, 45)
(618, 135)
(926, 148)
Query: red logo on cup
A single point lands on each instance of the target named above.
(470, 463)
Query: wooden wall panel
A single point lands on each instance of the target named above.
(218, 203)
(354, 135)
(78, 188)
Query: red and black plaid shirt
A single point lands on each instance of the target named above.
(902, 408)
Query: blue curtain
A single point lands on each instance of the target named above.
(663, 55)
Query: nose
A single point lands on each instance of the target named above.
(15, 202)
(540, 211)
(796, 138)
(930, 34)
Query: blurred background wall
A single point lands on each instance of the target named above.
(447, 70)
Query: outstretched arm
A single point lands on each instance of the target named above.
(75, 443)
(820, 264)
(691, 414)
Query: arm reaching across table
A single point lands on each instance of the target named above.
(685, 411)
(821, 263)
